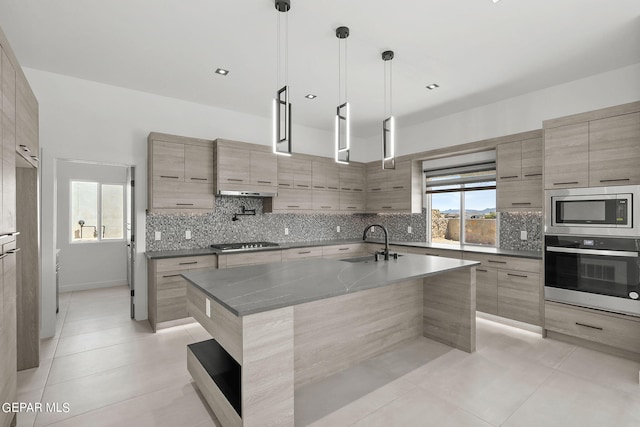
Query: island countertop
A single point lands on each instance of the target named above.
(258, 288)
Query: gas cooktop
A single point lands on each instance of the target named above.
(245, 246)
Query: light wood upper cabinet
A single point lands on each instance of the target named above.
(532, 158)
(352, 177)
(180, 174)
(240, 166)
(614, 150)
(519, 195)
(264, 168)
(27, 126)
(198, 163)
(233, 165)
(389, 190)
(294, 172)
(593, 149)
(8, 145)
(509, 161)
(324, 175)
(325, 200)
(566, 156)
(168, 161)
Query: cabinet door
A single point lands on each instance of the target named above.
(351, 201)
(375, 177)
(8, 143)
(351, 178)
(509, 161)
(171, 297)
(285, 172)
(519, 195)
(332, 176)
(198, 163)
(27, 125)
(566, 156)
(182, 195)
(519, 296)
(383, 201)
(398, 179)
(234, 165)
(264, 168)
(532, 158)
(319, 173)
(168, 161)
(292, 200)
(487, 290)
(325, 200)
(614, 150)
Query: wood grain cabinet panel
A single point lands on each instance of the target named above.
(519, 296)
(182, 195)
(8, 146)
(614, 150)
(352, 177)
(294, 199)
(27, 121)
(509, 161)
(168, 161)
(324, 175)
(264, 168)
(566, 156)
(487, 290)
(233, 165)
(325, 200)
(294, 173)
(352, 201)
(519, 195)
(532, 158)
(301, 253)
(198, 163)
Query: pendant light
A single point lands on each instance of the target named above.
(343, 115)
(388, 124)
(281, 104)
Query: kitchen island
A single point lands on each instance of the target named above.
(276, 327)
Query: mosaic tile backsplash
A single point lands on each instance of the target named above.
(511, 223)
(217, 227)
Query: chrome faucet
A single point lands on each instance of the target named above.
(386, 240)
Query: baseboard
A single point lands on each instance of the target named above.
(509, 322)
(94, 285)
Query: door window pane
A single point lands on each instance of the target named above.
(445, 218)
(480, 217)
(84, 211)
(112, 211)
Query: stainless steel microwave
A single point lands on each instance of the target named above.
(600, 211)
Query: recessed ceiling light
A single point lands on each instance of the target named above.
(310, 96)
(496, 1)
(222, 71)
(432, 86)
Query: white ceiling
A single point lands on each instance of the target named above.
(477, 51)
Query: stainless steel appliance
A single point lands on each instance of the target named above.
(597, 211)
(597, 272)
(245, 246)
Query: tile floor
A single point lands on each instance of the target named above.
(115, 372)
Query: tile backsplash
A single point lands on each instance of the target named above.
(511, 223)
(217, 226)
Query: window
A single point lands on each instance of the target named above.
(461, 196)
(97, 211)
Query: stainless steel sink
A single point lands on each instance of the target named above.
(368, 258)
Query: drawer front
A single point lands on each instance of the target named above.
(389, 200)
(593, 325)
(436, 252)
(171, 297)
(301, 253)
(324, 200)
(253, 258)
(292, 200)
(519, 296)
(505, 262)
(343, 251)
(487, 290)
(182, 264)
(352, 201)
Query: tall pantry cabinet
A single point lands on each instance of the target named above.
(19, 233)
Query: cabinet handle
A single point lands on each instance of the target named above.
(318, 186)
(264, 182)
(325, 207)
(565, 183)
(532, 174)
(332, 188)
(199, 179)
(343, 249)
(305, 252)
(284, 185)
(171, 275)
(24, 148)
(589, 326)
(521, 203)
(400, 187)
(351, 207)
(13, 251)
(3, 256)
(14, 234)
(508, 176)
(293, 206)
(357, 189)
(517, 275)
(346, 189)
(303, 186)
(497, 262)
(188, 263)
(184, 204)
(235, 179)
(376, 189)
(614, 180)
(484, 271)
(387, 207)
(427, 253)
(169, 177)
(35, 158)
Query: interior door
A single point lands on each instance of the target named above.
(131, 233)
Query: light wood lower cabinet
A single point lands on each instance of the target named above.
(519, 296)
(249, 258)
(345, 251)
(487, 290)
(167, 290)
(301, 253)
(614, 330)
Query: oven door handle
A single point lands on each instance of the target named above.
(624, 254)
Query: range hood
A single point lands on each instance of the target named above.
(247, 193)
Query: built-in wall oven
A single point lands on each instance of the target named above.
(596, 211)
(592, 271)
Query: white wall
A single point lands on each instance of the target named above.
(90, 121)
(87, 265)
(513, 115)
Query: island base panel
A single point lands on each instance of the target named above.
(449, 313)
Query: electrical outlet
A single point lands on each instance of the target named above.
(286, 231)
(158, 235)
(409, 229)
(207, 308)
(523, 235)
(338, 229)
(187, 234)
(373, 229)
